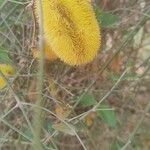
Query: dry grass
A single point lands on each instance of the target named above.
(119, 77)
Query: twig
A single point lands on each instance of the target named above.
(120, 48)
(136, 128)
(97, 105)
(38, 114)
(67, 124)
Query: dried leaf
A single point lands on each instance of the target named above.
(89, 119)
(138, 38)
(64, 128)
(62, 111)
(116, 63)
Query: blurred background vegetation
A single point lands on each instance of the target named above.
(104, 105)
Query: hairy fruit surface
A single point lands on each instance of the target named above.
(71, 29)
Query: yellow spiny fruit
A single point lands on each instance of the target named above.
(2, 83)
(48, 53)
(6, 70)
(71, 28)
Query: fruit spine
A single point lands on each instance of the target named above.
(70, 29)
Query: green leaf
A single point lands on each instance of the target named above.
(115, 146)
(1, 2)
(88, 100)
(28, 133)
(107, 115)
(129, 76)
(48, 125)
(64, 128)
(105, 19)
(4, 58)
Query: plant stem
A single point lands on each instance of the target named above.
(38, 114)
